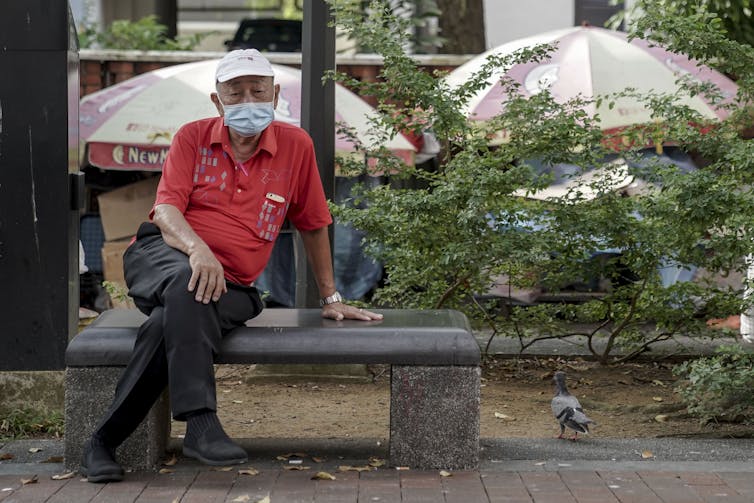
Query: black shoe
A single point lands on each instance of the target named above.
(98, 463)
(211, 445)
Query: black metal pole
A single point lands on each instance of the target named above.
(39, 96)
(318, 118)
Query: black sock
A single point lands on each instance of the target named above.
(200, 422)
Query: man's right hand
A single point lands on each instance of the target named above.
(207, 278)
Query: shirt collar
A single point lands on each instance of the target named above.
(268, 140)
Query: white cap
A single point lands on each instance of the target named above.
(243, 62)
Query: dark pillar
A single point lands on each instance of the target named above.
(38, 160)
(318, 118)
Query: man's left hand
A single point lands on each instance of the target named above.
(339, 311)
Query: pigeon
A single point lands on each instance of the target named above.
(567, 409)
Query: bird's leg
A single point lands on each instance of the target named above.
(562, 431)
(575, 436)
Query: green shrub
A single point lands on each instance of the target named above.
(719, 388)
(444, 235)
(146, 34)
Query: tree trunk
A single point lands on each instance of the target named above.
(462, 26)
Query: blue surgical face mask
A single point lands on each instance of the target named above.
(249, 119)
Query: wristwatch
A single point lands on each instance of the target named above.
(332, 299)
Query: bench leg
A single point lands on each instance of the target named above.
(434, 417)
(88, 393)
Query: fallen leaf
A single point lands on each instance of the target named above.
(53, 459)
(283, 457)
(504, 417)
(376, 462)
(541, 463)
(221, 468)
(444, 473)
(402, 468)
(661, 418)
(6, 489)
(237, 401)
(657, 398)
(323, 476)
(166, 470)
(647, 454)
(6, 456)
(622, 381)
(266, 499)
(249, 471)
(244, 498)
(170, 462)
(317, 459)
(348, 468)
(657, 382)
(295, 467)
(64, 476)
(35, 449)
(33, 480)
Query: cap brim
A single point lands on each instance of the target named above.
(244, 73)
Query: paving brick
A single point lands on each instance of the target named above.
(462, 487)
(166, 487)
(210, 487)
(587, 487)
(701, 478)
(629, 487)
(742, 483)
(719, 494)
(505, 487)
(345, 488)
(670, 487)
(126, 491)
(8, 485)
(254, 487)
(42, 490)
(294, 487)
(75, 489)
(546, 487)
(379, 486)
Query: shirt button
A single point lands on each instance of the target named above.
(238, 190)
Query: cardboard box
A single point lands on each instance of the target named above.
(112, 260)
(122, 210)
(112, 272)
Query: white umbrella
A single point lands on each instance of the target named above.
(590, 61)
(130, 125)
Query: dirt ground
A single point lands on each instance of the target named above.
(628, 400)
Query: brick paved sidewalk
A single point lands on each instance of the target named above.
(191, 483)
(512, 470)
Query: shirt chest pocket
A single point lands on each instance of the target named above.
(272, 210)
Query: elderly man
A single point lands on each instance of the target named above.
(227, 185)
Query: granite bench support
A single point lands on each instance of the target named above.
(435, 374)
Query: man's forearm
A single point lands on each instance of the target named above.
(317, 245)
(176, 231)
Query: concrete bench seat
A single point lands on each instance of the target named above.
(434, 359)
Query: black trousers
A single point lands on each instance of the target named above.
(176, 345)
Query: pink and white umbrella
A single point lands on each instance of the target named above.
(130, 125)
(590, 61)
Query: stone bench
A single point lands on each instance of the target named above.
(434, 390)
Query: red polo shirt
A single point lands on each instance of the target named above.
(238, 209)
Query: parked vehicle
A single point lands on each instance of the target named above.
(271, 35)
